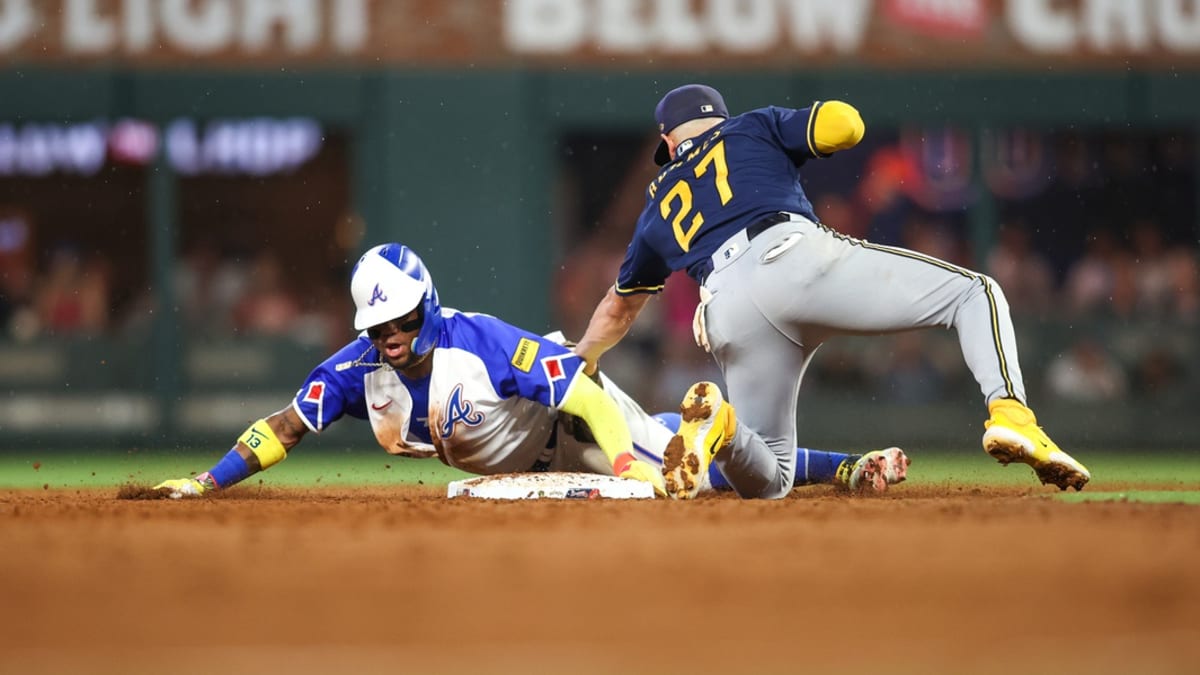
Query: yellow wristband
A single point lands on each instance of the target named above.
(263, 443)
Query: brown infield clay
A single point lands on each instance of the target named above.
(942, 579)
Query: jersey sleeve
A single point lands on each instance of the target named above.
(643, 270)
(519, 363)
(795, 129)
(335, 387)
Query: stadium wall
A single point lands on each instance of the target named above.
(458, 162)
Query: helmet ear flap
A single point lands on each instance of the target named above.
(431, 325)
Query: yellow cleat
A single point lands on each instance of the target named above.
(1013, 435)
(707, 425)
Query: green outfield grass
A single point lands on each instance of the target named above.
(67, 469)
(1154, 476)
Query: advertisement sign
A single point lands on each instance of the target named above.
(794, 34)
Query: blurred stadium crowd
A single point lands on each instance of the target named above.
(219, 294)
(1097, 253)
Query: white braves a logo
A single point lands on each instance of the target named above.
(458, 410)
(376, 294)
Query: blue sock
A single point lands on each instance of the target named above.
(718, 481)
(231, 469)
(816, 467)
(813, 467)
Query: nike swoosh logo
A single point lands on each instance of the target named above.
(381, 407)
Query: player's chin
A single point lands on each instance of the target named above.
(407, 360)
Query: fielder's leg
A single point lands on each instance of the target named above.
(822, 467)
(762, 370)
(856, 287)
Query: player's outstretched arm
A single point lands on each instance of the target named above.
(264, 444)
(609, 323)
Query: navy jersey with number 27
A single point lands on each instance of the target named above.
(721, 181)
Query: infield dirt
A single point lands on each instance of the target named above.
(401, 580)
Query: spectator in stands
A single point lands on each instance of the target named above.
(910, 376)
(1167, 277)
(208, 286)
(1023, 273)
(72, 297)
(1087, 373)
(1151, 273)
(1100, 283)
(930, 236)
(841, 213)
(1158, 374)
(269, 306)
(1185, 283)
(16, 275)
(883, 194)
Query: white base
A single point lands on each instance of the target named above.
(550, 486)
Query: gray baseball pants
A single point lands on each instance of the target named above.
(777, 298)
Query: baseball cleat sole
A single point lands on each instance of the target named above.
(883, 468)
(874, 471)
(706, 425)
(1056, 468)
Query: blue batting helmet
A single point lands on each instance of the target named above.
(390, 281)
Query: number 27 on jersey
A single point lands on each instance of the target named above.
(677, 201)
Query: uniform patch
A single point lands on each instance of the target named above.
(315, 392)
(526, 354)
(554, 368)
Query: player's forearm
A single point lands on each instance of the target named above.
(589, 402)
(838, 127)
(610, 322)
(264, 444)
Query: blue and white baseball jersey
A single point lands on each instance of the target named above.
(490, 404)
(720, 182)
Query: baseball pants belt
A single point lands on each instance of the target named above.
(752, 230)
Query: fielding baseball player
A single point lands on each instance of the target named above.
(728, 207)
(480, 394)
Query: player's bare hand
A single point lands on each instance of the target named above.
(639, 470)
(179, 488)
